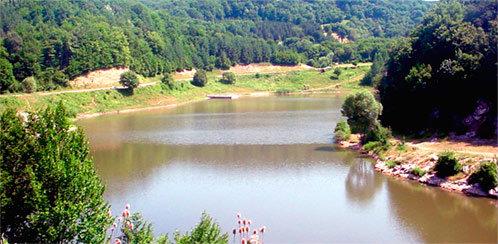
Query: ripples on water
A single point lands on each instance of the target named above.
(271, 159)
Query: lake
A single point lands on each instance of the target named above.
(271, 159)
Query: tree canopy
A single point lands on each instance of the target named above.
(443, 78)
(49, 189)
(54, 41)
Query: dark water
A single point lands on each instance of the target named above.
(272, 160)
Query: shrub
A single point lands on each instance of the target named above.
(200, 78)
(342, 131)
(418, 171)
(29, 84)
(402, 147)
(49, 190)
(376, 147)
(337, 71)
(167, 80)
(129, 80)
(486, 176)
(392, 163)
(447, 165)
(362, 111)
(379, 134)
(207, 231)
(228, 78)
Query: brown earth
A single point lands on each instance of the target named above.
(98, 78)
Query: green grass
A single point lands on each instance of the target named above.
(418, 171)
(109, 100)
(392, 163)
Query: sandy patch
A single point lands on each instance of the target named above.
(98, 78)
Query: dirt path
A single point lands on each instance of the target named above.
(49, 93)
(483, 148)
(263, 68)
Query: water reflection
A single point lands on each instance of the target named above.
(438, 216)
(270, 158)
(362, 182)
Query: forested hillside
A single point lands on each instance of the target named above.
(443, 77)
(44, 43)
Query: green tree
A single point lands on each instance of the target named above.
(129, 80)
(435, 80)
(286, 58)
(362, 111)
(228, 78)
(200, 78)
(223, 62)
(167, 80)
(7, 79)
(49, 189)
(486, 175)
(207, 231)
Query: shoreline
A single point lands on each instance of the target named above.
(404, 172)
(167, 106)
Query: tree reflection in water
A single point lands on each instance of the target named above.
(361, 182)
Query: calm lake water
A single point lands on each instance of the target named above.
(272, 160)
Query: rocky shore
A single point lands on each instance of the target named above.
(411, 158)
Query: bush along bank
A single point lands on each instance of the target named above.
(471, 174)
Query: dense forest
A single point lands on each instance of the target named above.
(443, 77)
(45, 43)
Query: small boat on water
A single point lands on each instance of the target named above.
(223, 96)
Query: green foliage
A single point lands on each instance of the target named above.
(392, 163)
(447, 165)
(418, 171)
(377, 133)
(49, 189)
(29, 84)
(169, 83)
(200, 78)
(445, 72)
(337, 71)
(362, 111)
(223, 62)
(7, 79)
(486, 175)
(419, 76)
(286, 58)
(207, 231)
(401, 147)
(342, 132)
(376, 147)
(129, 80)
(154, 37)
(136, 230)
(228, 78)
(336, 74)
(167, 80)
(374, 75)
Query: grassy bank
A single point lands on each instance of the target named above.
(159, 95)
